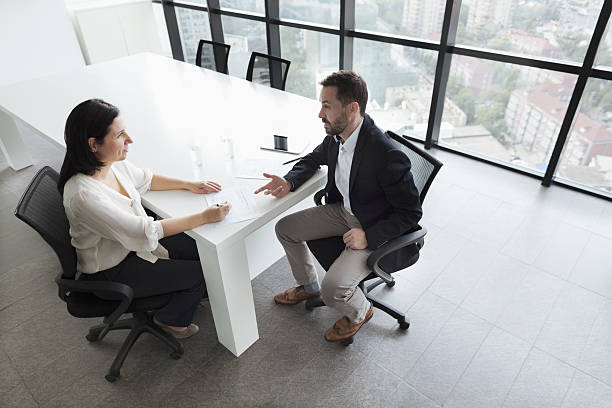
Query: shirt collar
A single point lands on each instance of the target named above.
(351, 142)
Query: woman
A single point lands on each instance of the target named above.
(114, 238)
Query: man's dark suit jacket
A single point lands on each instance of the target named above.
(382, 192)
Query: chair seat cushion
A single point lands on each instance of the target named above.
(89, 305)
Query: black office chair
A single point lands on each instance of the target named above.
(213, 55)
(326, 250)
(268, 70)
(42, 209)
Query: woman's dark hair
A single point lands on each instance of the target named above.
(91, 118)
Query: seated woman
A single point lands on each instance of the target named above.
(114, 238)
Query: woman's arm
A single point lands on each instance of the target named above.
(177, 225)
(159, 182)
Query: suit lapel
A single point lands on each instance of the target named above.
(358, 154)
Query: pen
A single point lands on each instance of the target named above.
(291, 161)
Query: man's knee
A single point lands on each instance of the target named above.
(331, 293)
(283, 228)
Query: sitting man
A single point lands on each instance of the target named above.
(370, 199)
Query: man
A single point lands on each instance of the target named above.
(371, 199)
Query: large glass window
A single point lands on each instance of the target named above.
(193, 27)
(415, 18)
(587, 157)
(244, 36)
(558, 29)
(314, 11)
(247, 5)
(506, 112)
(400, 82)
(313, 56)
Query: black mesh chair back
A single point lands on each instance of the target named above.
(424, 166)
(213, 55)
(42, 208)
(268, 70)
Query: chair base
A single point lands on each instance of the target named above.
(140, 322)
(377, 303)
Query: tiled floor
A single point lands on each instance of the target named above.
(511, 305)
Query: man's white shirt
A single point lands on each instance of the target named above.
(343, 166)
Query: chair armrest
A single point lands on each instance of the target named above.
(415, 237)
(124, 291)
(318, 197)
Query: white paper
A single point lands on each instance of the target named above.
(254, 168)
(242, 201)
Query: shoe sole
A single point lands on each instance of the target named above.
(367, 319)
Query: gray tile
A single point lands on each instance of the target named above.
(603, 223)
(491, 373)
(401, 296)
(595, 358)
(496, 288)
(441, 365)
(471, 215)
(533, 301)
(18, 397)
(561, 252)
(10, 377)
(399, 350)
(437, 209)
(21, 309)
(531, 237)
(593, 269)
(496, 228)
(542, 382)
(586, 391)
(463, 273)
(567, 329)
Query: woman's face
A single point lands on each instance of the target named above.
(115, 146)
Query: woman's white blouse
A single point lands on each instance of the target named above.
(106, 225)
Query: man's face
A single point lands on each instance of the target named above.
(333, 114)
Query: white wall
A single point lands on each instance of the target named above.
(36, 39)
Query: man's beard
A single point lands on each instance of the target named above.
(337, 127)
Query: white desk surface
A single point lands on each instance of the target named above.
(169, 108)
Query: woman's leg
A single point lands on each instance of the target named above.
(183, 278)
(182, 246)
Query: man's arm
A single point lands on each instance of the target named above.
(401, 193)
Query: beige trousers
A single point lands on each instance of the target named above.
(339, 286)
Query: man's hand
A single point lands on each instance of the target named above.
(355, 238)
(203, 187)
(278, 186)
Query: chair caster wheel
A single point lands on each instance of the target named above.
(111, 378)
(404, 325)
(348, 341)
(92, 338)
(176, 355)
(391, 284)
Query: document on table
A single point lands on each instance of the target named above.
(254, 168)
(242, 201)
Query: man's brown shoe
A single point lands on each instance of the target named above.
(294, 295)
(344, 328)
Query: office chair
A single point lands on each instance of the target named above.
(41, 207)
(326, 250)
(268, 70)
(213, 55)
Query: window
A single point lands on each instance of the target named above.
(246, 5)
(506, 112)
(244, 36)
(313, 56)
(314, 11)
(587, 156)
(559, 29)
(415, 18)
(400, 82)
(193, 27)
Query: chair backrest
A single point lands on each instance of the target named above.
(424, 166)
(42, 208)
(213, 55)
(268, 70)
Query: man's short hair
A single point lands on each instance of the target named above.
(351, 88)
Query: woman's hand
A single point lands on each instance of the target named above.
(216, 213)
(203, 187)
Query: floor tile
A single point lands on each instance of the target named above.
(561, 252)
(593, 269)
(596, 357)
(542, 382)
(587, 391)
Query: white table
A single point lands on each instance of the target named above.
(172, 109)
